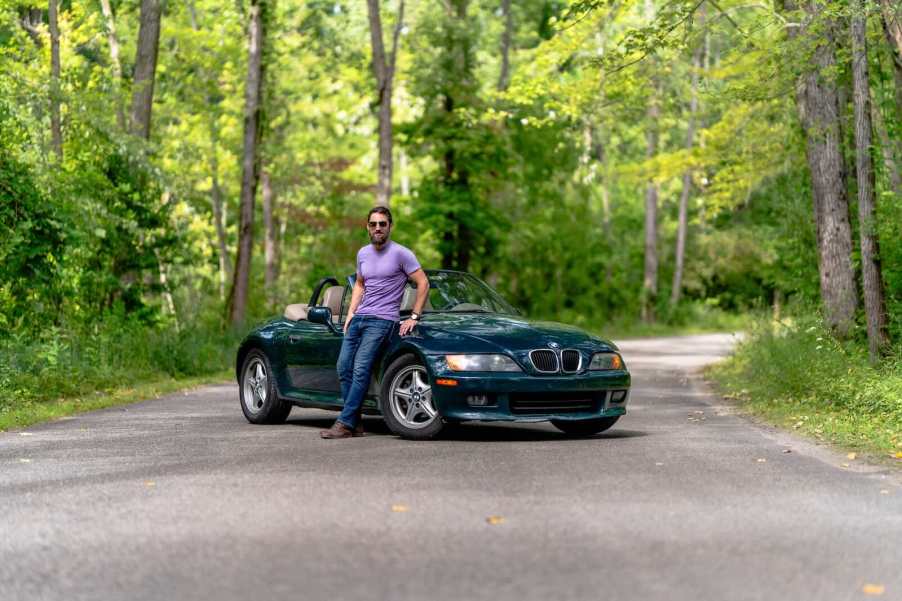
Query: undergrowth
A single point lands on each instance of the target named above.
(795, 374)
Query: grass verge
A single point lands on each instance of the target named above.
(58, 371)
(795, 375)
(28, 413)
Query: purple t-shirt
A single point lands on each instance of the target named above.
(384, 274)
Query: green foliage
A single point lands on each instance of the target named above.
(797, 374)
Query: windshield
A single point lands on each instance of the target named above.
(454, 291)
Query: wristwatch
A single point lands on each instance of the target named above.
(415, 316)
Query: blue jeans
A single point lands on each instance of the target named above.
(359, 350)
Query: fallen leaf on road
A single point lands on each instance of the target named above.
(852, 455)
(658, 463)
(884, 492)
(844, 465)
(873, 589)
(399, 508)
(150, 483)
(494, 520)
(899, 455)
(762, 460)
(31, 434)
(24, 460)
(787, 450)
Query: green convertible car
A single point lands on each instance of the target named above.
(471, 357)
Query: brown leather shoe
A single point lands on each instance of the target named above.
(338, 430)
(359, 431)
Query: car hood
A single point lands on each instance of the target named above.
(487, 332)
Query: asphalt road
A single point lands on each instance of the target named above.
(181, 498)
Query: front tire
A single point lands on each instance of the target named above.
(585, 427)
(406, 400)
(260, 400)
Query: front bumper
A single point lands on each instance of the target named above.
(528, 398)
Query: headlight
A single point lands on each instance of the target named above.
(481, 363)
(601, 361)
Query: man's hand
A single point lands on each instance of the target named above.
(406, 326)
(348, 322)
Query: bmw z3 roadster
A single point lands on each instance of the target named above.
(471, 357)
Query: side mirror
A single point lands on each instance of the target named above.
(322, 315)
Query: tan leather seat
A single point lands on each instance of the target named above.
(410, 297)
(332, 299)
(296, 312)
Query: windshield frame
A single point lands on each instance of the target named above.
(436, 275)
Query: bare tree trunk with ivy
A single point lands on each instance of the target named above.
(145, 66)
(250, 162)
(384, 70)
(872, 279)
(56, 128)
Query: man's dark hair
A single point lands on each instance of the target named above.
(383, 210)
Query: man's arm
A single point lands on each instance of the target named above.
(356, 295)
(422, 282)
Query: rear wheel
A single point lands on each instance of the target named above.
(407, 406)
(585, 427)
(260, 400)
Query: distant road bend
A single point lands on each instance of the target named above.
(181, 498)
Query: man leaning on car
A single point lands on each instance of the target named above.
(383, 268)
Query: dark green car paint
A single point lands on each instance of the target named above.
(303, 357)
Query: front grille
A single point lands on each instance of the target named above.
(570, 360)
(556, 402)
(544, 361)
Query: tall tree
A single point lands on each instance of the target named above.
(872, 279)
(506, 36)
(270, 241)
(384, 70)
(891, 18)
(113, 41)
(888, 148)
(683, 216)
(650, 276)
(56, 130)
(818, 104)
(145, 66)
(250, 161)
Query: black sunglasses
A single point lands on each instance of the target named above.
(378, 224)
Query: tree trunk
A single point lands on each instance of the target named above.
(888, 149)
(113, 41)
(650, 275)
(384, 70)
(145, 66)
(225, 262)
(650, 279)
(250, 162)
(504, 76)
(872, 280)
(892, 29)
(270, 238)
(56, 129)
(683, 218)
(819, 112)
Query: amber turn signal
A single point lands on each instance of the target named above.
(446, 382)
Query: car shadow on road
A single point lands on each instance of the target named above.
(478, 432)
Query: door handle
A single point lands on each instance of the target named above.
(294, 338)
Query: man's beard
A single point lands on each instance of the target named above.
(375, 240)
